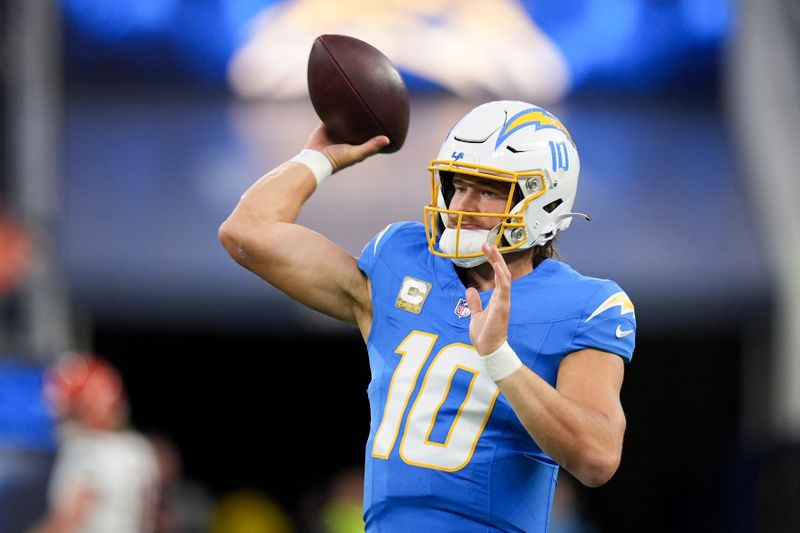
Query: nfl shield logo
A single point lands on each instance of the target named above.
(462, 309)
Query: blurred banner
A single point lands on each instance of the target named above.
(534, 49)
(27, 444)
(25, 421)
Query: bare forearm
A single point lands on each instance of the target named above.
(70, 514)
(581, 439)
(275, 198)
(56, 525)
(278, 195)
(262, 236)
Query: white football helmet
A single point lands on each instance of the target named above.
(510, 142)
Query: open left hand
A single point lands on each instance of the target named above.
(343, 155)
(488, 328)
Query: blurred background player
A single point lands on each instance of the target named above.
(105, 477)
(433, 304)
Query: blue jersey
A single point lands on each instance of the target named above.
(445, 450)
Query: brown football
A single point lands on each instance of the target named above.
(357, 91)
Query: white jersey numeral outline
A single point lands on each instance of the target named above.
(416, 448)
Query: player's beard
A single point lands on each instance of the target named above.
(469, 242)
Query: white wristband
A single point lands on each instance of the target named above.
(317, 162)
(502, 362)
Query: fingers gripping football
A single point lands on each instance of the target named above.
(343, 155)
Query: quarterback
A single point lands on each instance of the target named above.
(492, 362)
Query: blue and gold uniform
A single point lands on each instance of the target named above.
(445, 451)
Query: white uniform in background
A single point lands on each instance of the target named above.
(120, 470)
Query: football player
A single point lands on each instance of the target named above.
(105, 475)
(492, 362)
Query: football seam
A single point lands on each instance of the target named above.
(352, 88)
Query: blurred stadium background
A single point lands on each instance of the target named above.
(131, 128)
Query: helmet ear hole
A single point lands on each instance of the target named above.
(518, 196)
(446, 181)
(553, 205)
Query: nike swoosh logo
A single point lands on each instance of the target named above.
(623, 333)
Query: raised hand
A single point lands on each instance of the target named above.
(488, 328)
(342, 155)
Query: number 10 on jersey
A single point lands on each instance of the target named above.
(455, 447)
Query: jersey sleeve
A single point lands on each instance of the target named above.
(372, 250)
(607, 322)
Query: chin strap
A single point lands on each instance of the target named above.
(470, 242)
